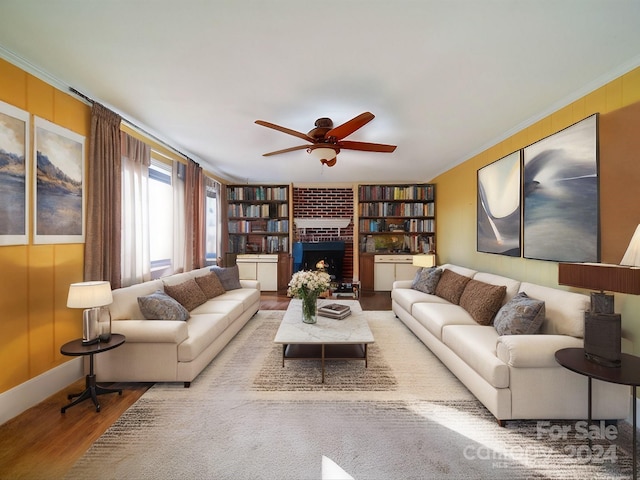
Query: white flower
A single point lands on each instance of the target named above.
(308, 281)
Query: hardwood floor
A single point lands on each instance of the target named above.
(41, 443)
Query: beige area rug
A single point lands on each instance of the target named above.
(404, 417)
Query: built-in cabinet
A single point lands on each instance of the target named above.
(396, 218)
(258, 226)
(394, 222)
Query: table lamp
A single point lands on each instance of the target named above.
(90, 296)
(603, 327)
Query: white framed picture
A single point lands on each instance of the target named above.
(14, 175)
(58, 182)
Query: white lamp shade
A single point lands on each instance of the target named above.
(323, 153)
(426, 260)
(632, 255)
(89, 294)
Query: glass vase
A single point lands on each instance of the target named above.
(310, 308)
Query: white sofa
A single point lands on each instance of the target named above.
(173, 350)
(514, 376)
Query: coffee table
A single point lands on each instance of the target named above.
(328, 339)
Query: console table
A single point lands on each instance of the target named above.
(628, 373)
(75, 348)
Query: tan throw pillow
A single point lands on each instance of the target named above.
(210, 285)
(188, 293)
(482, 300)
(451, 286)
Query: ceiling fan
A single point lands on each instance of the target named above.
(327, 140)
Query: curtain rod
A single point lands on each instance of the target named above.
(91, 101)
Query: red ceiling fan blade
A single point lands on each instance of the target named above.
(367, 147)
(291, 149)
(301, 135)
(347, 128)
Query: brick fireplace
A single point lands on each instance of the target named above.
(326, 203)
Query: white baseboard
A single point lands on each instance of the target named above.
(24, 396)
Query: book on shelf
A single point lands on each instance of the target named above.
(335, 311)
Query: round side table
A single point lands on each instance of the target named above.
(75, 348)
(628, 373)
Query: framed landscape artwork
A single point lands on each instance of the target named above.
(561, 220)
(59, 184)
(14, 170)
(498, 216)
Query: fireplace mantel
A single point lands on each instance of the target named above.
(322, 222)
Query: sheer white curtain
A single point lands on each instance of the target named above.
(136, 261)
(179, 223)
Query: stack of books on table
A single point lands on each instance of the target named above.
(334, 310)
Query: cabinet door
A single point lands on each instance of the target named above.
(268, 276)
(384, 274)
(366, 273)
(284, 272)
(248, 270)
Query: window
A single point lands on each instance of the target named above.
(211, 219)
(160, 217)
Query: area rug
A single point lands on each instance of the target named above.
(405, 416)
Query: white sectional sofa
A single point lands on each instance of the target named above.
(173, 350)
(514, 376)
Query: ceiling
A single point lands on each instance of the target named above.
(444, 78)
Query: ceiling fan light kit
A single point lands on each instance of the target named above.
(326, 155)
(327, 141)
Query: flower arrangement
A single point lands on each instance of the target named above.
(307, 285)
(306, 282)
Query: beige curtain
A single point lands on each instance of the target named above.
(102, 247)
(194, 217)
(136, 249)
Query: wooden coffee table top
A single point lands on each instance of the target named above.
(352, 330)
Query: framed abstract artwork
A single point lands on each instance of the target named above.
(58, 184)
(560, 185)
(499, 200)
(14, 173)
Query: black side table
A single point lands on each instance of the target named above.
(628, 373)
(75, 348)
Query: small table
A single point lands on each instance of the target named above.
(75, 348)
(628, 373)
(328, 338)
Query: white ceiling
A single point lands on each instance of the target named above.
(445, 78)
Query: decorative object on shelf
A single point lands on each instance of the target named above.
(307, 285)
(425, 260)
(499, 207)
(370, 244)
(91, 296)
(561, 188)
(603, 327)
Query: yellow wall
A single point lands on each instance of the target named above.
(456, 198)
(34, 279)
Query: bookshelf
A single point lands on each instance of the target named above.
(258, 219)
(396, 218)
